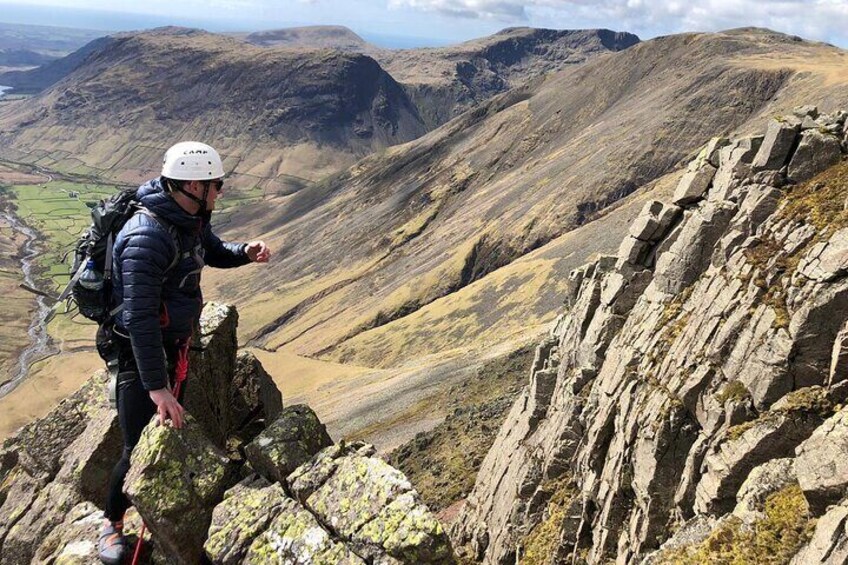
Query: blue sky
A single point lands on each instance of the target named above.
(433, 22)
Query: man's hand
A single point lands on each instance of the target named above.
(167, 407)
(258, 252)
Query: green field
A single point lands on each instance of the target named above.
(61, 218)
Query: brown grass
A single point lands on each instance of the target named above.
(48, 383)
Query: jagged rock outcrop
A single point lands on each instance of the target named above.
(341, 505)
(288, 443)
(707, 352)
(176, 479)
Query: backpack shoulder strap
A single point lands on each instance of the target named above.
(172, 231)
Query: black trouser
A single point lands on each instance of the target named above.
(135, 409)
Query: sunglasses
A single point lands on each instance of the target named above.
(218, 185)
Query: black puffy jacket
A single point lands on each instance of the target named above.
(161, 298)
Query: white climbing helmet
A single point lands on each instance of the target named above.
(192, 160)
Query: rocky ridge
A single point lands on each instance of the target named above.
(293, 115)
(691, 396)
(446, 81)
(245, 481)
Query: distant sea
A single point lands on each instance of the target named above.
(3, 90)
(112, 21)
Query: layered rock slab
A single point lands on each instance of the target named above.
(822, 462)
(175, 480)
(661, 399)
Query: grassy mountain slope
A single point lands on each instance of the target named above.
(446, 81)
(362, 254)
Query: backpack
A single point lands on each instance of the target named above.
(95, 244)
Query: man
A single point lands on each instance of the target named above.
(157, 259)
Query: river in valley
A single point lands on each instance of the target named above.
(40, 345)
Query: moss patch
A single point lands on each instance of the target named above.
(541, 544)
(772, 540)
(734, 390)
(820, 201)
(735, 432)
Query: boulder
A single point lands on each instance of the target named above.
(88, 462)
(46, 513)
(371, 505)
(246, 512)
(776, 146)
(255, 401)
(822, 463)
(211, 370)
(176, 478)
(647, 223)
(18, 492)
(693, 185)
(828, 260)
(712, 149)
(734, 164)
(308, 478)
(295, 537)
(74, 542)
(692, 249)
(41, 443)
(289, 442)
(654, 221)
(816, 152)
(633, 251)
(807, 110)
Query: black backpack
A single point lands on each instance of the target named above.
(107, 219)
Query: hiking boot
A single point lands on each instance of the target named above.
(112, 544)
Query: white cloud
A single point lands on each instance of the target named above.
(814, 19)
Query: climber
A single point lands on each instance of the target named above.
(157, 259)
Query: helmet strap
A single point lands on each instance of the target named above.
(178, 187)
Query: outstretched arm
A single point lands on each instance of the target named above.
(223, 255)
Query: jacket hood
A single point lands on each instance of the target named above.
(154, 197)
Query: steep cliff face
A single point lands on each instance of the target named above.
(711, 349)
(446, 81)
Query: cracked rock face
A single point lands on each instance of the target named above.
(371, 505)
(706, 354)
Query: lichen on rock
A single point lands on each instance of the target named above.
(288, 442)
(175, 480)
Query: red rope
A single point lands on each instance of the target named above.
(180, 374)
